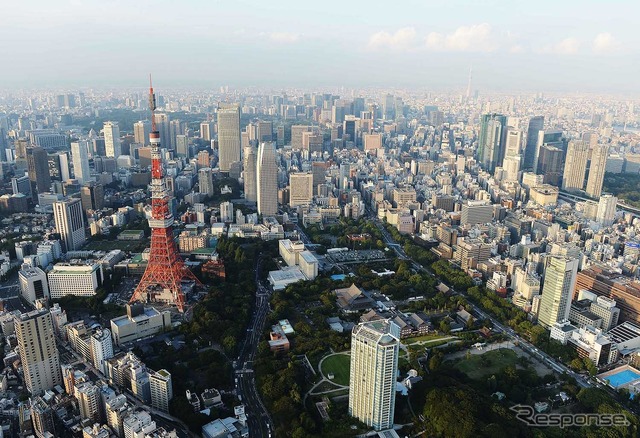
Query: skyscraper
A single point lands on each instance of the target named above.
(265, 131)
(205, 181)
(490, 141)
(162, 125)
(70, 223)
(38, 352)
(372, 380)
(228, 136)
(141, 131)
(176, 127)
(267, 179)
(38, 168)
(300, 189)
(80, 161)
(559, 281)
(182, 146)
(536, 124)
(63, 163)
(575, 165)
(550, 164)
(92, 196)
(111, 139)
(249, 175)
(596, 170)
(206, 131)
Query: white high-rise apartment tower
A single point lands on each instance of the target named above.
(80, 160)
(559, 281)
(38, 352)
(228, 136)
(267, 179)
(249, 174)
(111, 139)
(161, 389)
(374, 365)
(70, 223)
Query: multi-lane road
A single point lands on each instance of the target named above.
(260, 423)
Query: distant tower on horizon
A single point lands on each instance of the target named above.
(469, 85)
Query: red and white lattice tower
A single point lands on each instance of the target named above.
(166, 269)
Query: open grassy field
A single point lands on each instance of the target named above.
(339, 365)
(482, 365)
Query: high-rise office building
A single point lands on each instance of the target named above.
(536, 124)
(372, 143)
(372, 380)
(550, 164)
(176, 127)
(296, 135)
(38, 169)
(228, 136)
(205, 181)
(112, 146)
(163, 127)
(62, 158)
(80, 159)
(476, 212)
(33, 284)
(38, 352)
(182, 146)
(267, 179)
(512, 142)
(300, 189)
(559, 281)
(141, 131)
(21, 185)
(161, 389)
(596, 170)
(70, 223)
(206, 131)
(92, 196)
(575, 165)
(606, 209)
(249, 174)
(491, 141)
(264, 131)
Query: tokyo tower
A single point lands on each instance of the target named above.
(166, 269)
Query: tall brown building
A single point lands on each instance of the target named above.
(624, 290)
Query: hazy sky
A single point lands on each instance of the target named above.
(563, 45)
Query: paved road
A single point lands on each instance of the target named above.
(260, 423)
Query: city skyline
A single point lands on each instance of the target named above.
(525, 48)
